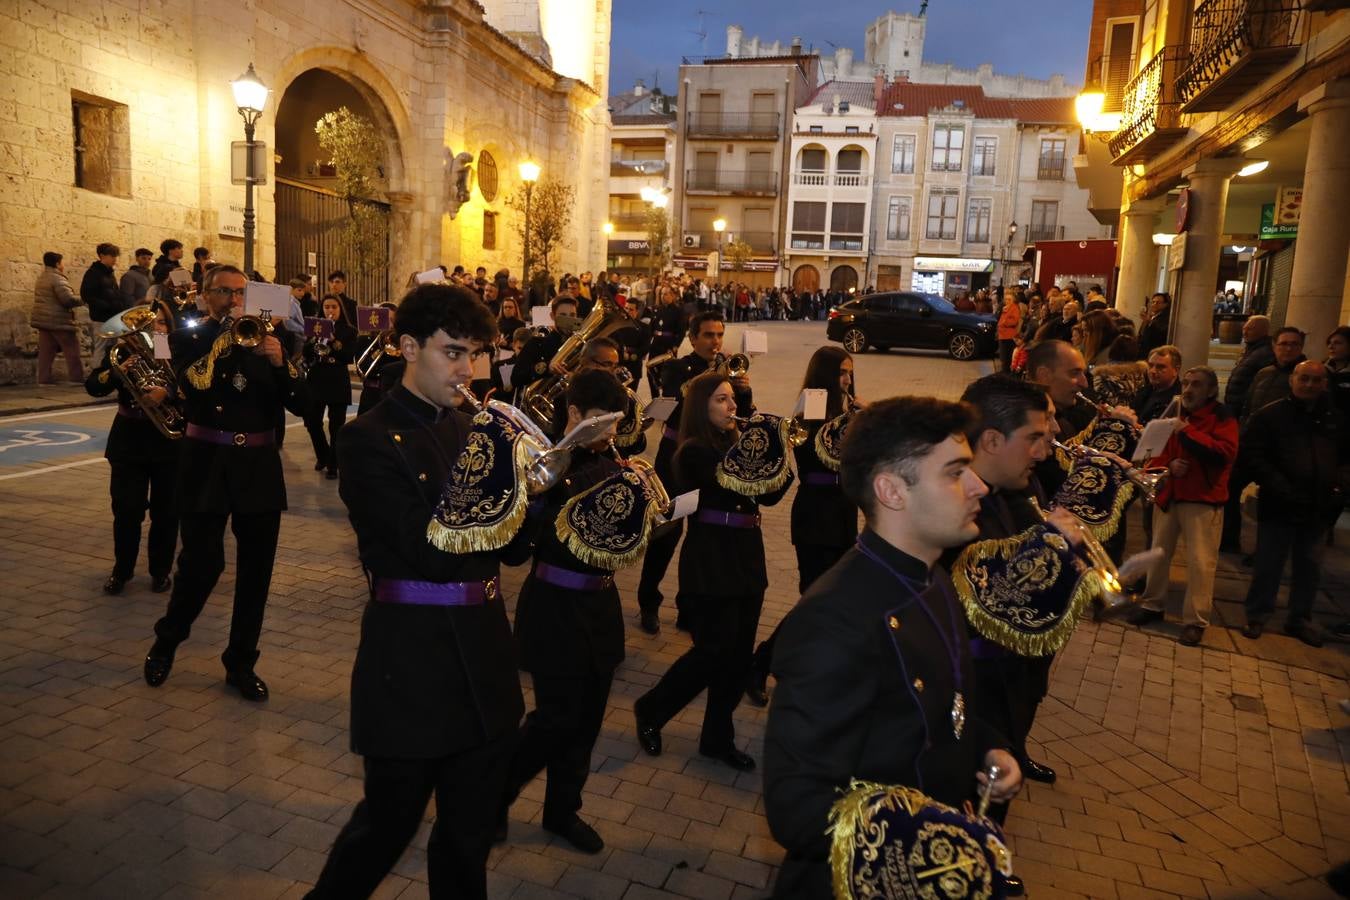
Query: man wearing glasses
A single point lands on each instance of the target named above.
(229, 469)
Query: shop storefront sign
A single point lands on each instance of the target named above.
(627, 246)
(953, 264)
(1273, 230)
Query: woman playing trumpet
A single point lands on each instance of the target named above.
(721, 603)
(330, 385)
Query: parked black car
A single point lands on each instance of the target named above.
(911, 319)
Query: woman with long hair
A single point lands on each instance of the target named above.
(509, 321)
(1095, 332)
(824, 521)
(330, 385)
(723, 577)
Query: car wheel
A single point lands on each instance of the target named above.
(854, 340)
(961, 345)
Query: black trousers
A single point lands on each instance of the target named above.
(1005, 355)
(1008, 691)
(723, 630)
(1302, 543)
(468, 789)
(813, 561)
(136, 487)
(655, 562)
(325, 448)
(199, 566)
(1231, 537)
(558, 735)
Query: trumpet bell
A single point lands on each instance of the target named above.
(737, 365)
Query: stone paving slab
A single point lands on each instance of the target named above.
(1217, 771)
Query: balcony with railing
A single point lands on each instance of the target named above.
(759, 241)
(1050, 167)
(761, 126)
(629, 221)
(1234, 45)
(1042, 232)
(1150, 115)
(820, 178)
(636, 168)
(722, 181)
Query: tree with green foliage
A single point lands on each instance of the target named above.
(551, 204)
(356, 150)
(658, 238)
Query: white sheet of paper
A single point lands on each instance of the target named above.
(811, 404)
(1154, 438)
(541, 317)
(660, 408)
(504, 354)
(685, 504)
(505, 370)
(430, 276)
(259, 296)
(180, 277)
(481, 366)
(754, 342)
(161, 346)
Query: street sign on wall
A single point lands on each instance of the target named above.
(1272, 230)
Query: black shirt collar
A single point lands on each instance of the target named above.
(419, 408)
(893, 556)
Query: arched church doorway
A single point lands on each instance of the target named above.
(313, 219)
(844, 279)
(806, 279)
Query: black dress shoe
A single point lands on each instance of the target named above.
(319, 466)
(649, 621)
(157, 667)
(160, 583)
(1143, 615)
(331, 475)
(741, 762)
(1038, 772)
(577, 833)
(249, 685)
(499, 834)
(1014, 886)
(1253, 630)
(757, 691)
(649, 735)
(114, 584)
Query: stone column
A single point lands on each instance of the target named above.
(1317, 288)
(402, 246)
(1138, 256)
(1193, 307)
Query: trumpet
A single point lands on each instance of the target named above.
(1104, 410)
(1115, 599)
(250, 331)
(547, 464)
(385, 344)
(1148, 480)
(660, 360)
(734, 366)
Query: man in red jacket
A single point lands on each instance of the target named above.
(1199, 457)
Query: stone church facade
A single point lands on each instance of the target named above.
(132, 100)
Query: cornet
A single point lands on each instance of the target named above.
(1115, 599)
(1148, 481)
(250, 331)
(734, 366)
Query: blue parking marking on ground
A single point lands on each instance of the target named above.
(39, 441)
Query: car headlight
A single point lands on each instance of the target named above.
(985, 326)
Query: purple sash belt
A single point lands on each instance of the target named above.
(566, 578)
(435, 593)
(821, 478)
(231, 438)
(728, 519)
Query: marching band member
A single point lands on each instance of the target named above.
(667, 330)
(229, 469)
(532, 363)
(824, 521)
(569, 626)
(435, 694)
(873, 669)
(330, 385)
(722, 603)
(143, 463)
(706, 331)
(387, 373)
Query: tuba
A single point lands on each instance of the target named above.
(132, 360)
(541, 398)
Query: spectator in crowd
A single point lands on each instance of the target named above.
(100, 292)
(1095, 298)
(963, 303)
(135, 283)
(1199, 457)
(309, 307)
(1061, 328)
(1162, 388)
(1258, 351)
(53, 315)
(337, 286)
(201, 261)
(1009, 327)
(1156, 320)
(1338, 369)
(170, 254)
(1298, 450)
(1272, 382)
(1096, 331)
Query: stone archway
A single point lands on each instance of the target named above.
(806, 279)
(843, 279)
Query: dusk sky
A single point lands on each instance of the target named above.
(1034, 37)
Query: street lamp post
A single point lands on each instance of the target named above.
(529, 173)
(719, 226)
(1003, 257)
(250, 96)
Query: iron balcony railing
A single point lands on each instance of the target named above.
(1114, 72)
(1151, 104)
(839, 179)
(734, 181)
(759, 241)
(1232, 36)
(626, 168)
(1050, 168)
(719, 124)
(1044, 233)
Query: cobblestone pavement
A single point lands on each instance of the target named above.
(1210, 772)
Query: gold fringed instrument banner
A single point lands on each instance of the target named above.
(830, 441)
(758, 462)
(631, 427)
(893, 841)
(1096, 491)
(484, 499)
(1025, 592)
(607, 525)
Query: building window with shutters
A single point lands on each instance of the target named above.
(948, 143)
(977, 220)
(1050, 167)
(846, 226)
(942, 206)
(897, 219)
(982, 156)
(1044, 219)
(902, 154)
(489, 230)
(808, 225)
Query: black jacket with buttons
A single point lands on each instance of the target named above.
(428, 681)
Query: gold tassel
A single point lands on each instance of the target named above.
(200, 373)
(483, 538)
(593, 556)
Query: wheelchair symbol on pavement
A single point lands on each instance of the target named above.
(37, 437)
